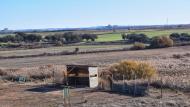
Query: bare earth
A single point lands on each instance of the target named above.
(96, 58)
(176, 71)
(15, 95)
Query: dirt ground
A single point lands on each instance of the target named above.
(35, 95)
(32, 95)
(96, 58)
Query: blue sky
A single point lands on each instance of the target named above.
(27, 14)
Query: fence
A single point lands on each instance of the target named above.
(141, 87)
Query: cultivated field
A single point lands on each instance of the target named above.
(82, 48)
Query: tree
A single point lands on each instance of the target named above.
(88, 37)
(70, 37)
(180, 37)
(124, 36)
(136, 37)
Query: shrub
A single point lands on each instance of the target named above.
(54, 38)
(71, 37)
(20, 36)
(88, 37)
(138, 46)
(124, 36)
(161, 42)
(59, 43)
(180, 37)
(8, 38)
(132, 70)
(136, 37)
(32, 38)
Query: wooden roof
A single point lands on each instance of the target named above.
(85, 66)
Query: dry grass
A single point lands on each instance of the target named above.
(56, 72)
(138, 46)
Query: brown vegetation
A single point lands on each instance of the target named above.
(133, 70)
(138, 46)
(34, 73)
(161, 42)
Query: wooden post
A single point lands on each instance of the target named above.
(111, 82)
(123, 83)
(161, 88)
(148, 85)
(66, 96)
(135, 86)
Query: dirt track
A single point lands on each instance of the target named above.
(95, 59)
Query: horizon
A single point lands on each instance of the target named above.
(86, 27)
(44, 14)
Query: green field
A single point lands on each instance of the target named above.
(109, 37)
(150, 33)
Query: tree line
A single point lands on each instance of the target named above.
(68, 37)
(140, 40)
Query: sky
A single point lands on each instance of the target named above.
(37, 14)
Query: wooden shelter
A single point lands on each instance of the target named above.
(82, 76)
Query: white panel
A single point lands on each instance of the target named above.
(93, 77)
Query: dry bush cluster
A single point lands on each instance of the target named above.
(161, 42)
(138, 46)
(132, 70)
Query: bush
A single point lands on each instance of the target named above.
(8, 38)
(55, 38)
(22, 37)
(136, 37)
(161, 42)
(180, 37)
(59, 43)
(124, 36)
(138, 46)
(132, 70)
(88, 37)
(71, 37)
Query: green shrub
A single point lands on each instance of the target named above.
(135, 37)
(88, 37)
(132, 70)
(180, 37)
(138, 46)
(161, 42)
